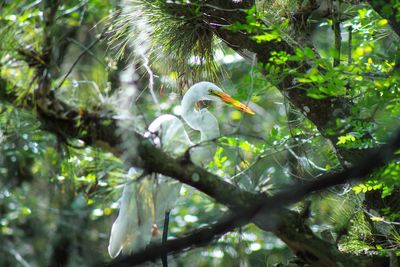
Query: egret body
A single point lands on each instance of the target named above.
(144, 203)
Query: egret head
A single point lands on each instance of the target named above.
(201, 119)
(221, 95)
(211, 92)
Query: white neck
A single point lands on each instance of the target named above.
(201, 120)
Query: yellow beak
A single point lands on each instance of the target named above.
(231, 101)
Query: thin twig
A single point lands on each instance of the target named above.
(337, 32)
(350, 47)
(164, 257)
(77, 60)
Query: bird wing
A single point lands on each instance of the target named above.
(126, 221)
(172, 134)
(144, 203)
(174, 140)
(165, 194)
(132, 230)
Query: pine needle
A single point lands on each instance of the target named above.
(177, 31)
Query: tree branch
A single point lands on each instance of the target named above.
(270, 205)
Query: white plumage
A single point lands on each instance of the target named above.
(144, 203)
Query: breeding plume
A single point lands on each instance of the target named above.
(144, 203)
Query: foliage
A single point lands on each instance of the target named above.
(176, 31)
(56, 189)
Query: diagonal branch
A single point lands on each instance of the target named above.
(267, 205)
(86, 50)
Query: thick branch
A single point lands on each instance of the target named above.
(268, 205)
(156, 160)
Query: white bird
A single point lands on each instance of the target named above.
(144, 203)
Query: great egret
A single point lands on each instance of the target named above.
(144, 203)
